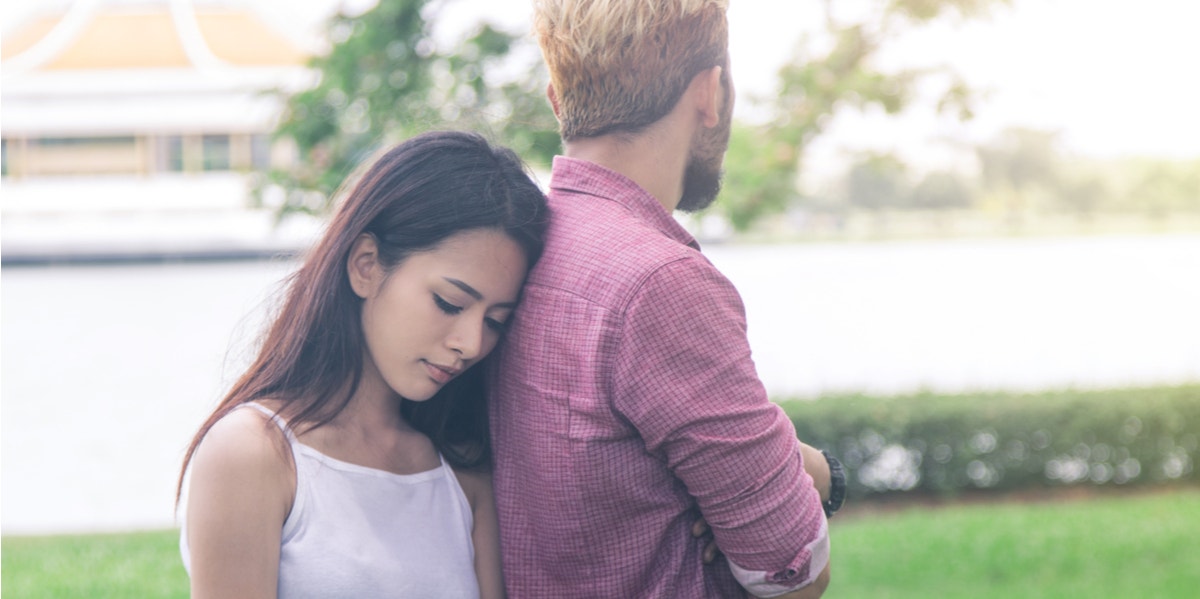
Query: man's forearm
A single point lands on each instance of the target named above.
(817, 467)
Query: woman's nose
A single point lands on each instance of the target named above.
(466, 339)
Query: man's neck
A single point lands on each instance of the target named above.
(654, 159)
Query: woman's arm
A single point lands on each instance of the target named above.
(241, 490)
(486, 534)
(817, 467)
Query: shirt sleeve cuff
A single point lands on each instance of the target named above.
(773, 584)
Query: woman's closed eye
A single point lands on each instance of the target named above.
(496, 325)
(500, 326)
(446, 306)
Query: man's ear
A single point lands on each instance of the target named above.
(553, 97)
(363, 266)
(707, 92)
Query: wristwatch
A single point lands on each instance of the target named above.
(837, 485)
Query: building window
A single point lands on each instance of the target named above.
(169, 154)
(260, 152)
(83, 156)
(215, 150)
(83, 142)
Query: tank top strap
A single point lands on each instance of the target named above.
(302, 465)
(276, 418)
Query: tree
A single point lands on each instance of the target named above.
(875, 182)
(1082, 192)
(753, 175)
(1016, 166)
(384, 79)
(1163, 187)
(828, 74)
(942, 190)
(1020, 159)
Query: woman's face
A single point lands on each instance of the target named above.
(438, 312)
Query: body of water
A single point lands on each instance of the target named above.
(107, 370)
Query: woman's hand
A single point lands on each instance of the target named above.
(701, 530)
(817, 467)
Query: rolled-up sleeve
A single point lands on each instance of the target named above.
(684, 377)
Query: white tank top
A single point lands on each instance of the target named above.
(361, 532)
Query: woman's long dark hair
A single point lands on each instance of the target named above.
(411, 199)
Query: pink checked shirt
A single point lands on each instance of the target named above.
(625, 405)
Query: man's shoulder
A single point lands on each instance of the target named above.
(594, 244)
(582, 224)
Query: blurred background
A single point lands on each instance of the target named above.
(991, 201)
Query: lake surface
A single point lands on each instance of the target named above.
(107, 370)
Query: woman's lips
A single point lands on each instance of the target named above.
(441, 374)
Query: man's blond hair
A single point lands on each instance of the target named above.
(620, 65)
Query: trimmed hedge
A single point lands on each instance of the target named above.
(945, 445)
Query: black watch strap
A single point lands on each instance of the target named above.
(837, 485)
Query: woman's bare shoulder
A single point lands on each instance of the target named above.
(244, 438)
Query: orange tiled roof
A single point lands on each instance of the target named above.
(24, 38)
(124, 41)
(242, 39)
(148, 39)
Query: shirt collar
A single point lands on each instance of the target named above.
(572, 175)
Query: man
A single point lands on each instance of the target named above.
(625, 404)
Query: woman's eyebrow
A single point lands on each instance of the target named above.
(469, 290)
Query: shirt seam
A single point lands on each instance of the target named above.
(634, 292)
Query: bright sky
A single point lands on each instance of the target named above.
(1114, 77)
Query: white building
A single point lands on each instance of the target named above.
(138, 107)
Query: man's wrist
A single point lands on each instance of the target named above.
(837, 485)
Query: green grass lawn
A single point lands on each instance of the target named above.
(1107, 546)
(125, 566)
(1110, 546)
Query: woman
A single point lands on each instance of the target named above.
(326, 469)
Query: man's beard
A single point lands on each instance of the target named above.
(701, 185)
(702, 177)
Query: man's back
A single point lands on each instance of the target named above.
(623, 402)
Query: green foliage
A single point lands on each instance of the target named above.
(1159, 188)
(1030, 172)
(942, 190)
(949, 444)
(830, 73)
(925, 10)
(1020, 159)
(385, 79)
(876, 181)
(1082, 192)
(107, 566)
(759, 172)
(1112, 546)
